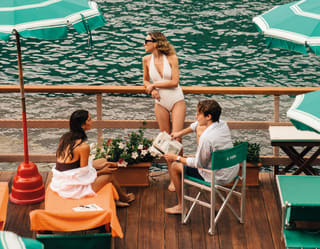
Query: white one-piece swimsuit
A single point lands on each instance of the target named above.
(168, 96)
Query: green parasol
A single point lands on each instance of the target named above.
(293, 26)
(305, 111)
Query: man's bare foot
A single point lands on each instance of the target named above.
(174, 210)
(171, 187)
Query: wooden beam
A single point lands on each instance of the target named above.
(130, 124)
(140, 89)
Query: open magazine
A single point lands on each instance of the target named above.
(164, 144)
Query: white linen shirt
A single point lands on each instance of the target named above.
(216, 137)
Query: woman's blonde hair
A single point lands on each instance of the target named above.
(163, 45)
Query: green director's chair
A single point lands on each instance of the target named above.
(220, 159)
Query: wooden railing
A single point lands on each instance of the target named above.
(100, 124)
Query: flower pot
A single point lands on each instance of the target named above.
(134, 175)
(252, 175)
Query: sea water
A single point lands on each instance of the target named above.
(217, 45)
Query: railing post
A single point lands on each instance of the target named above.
(99, 118)
(276, 118)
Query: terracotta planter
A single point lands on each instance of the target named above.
(134, 175)
(252, 178)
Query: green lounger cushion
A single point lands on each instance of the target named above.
(302, 239)
(86, 241)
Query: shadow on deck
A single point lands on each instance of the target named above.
(145, 225)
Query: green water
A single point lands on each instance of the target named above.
(217, 45)
(216, 42)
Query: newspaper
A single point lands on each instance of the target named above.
(164, 144)
(88, 207)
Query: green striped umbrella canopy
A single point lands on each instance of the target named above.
(305, 111)
(48, 19)
(293, 26)
(45, 19)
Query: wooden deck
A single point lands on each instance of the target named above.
(145, 225)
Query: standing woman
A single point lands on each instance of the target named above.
(75, 176)
(162, 68)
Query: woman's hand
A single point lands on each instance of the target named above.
(109, 168)
(149, 88)
(155, 94)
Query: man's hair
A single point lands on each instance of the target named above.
(210, 107)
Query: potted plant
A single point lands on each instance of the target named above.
(253, 162)
(133, 155)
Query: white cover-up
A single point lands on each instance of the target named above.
(74, 183)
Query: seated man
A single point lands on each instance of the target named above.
(215, 136)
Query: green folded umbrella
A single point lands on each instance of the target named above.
(293, 26)
(305, 112)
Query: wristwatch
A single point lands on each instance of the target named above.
(178, 158)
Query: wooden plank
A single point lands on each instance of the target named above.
(152, 218)
(231, 231)
(273, 209)
(171, 221)
(129, 220)
(257, 225)
(198, 231)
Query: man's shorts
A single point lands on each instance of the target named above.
(193, 172)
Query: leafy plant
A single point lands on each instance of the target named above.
(128, 150)
(253, 155)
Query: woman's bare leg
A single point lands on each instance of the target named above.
(177, 118)
(178, 115)
(102, 180)
(163, 119)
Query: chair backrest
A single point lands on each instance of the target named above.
(229, 157)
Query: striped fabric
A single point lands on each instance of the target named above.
(48, 19)
(10, 240)
(293, 26)
(305, 112)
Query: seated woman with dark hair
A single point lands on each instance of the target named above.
(75, 176)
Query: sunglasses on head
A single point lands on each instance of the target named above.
(146, 41)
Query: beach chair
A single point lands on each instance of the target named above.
(297, 237)
(69, 220)
(220, 159)
(300, 204)
(10, 240)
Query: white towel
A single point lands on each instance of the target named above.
(74, 183)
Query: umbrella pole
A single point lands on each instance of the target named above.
(23, 101)
(27, 186)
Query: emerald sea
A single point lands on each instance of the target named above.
(217, 45)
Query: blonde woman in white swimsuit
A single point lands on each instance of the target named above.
(161, 80)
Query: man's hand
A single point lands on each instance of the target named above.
(176, 134)
(170, 157)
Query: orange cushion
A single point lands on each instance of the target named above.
(59, 215)
(4, 196)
